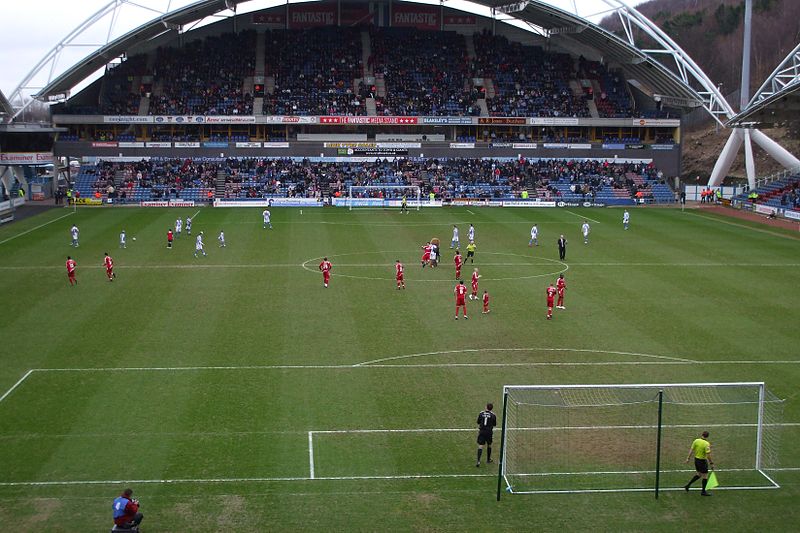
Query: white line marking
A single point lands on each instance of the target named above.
(311, 454)
(17, 384)
(759, 230)
(661, 489)
(37, 227)
(195, 214)
(470, 212)
(578, 350)
(582, 216)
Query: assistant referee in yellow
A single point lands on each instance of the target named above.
(701, 451)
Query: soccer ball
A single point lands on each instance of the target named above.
(134, 238)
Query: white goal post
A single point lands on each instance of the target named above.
(635, 437)
(391, 197)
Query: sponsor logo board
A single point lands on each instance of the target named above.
(158, 145)
(25, 158)
(131, 144)
(248, 145)
(187, 145)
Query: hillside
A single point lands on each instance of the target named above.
(710, 31)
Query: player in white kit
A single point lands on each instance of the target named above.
(585, 230)
(626, 219)
(122, 239)
(267, 222)
(74, 231)
(221, 239)
(188, 226)
(471, 233)
(198, 245)
(454, 240)
(178, 227)
(534, 236)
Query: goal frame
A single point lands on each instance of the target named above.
(760, 385)
(416, 202)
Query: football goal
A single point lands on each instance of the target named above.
(623, 438)
(384, 196)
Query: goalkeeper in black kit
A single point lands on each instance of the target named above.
(487, 420)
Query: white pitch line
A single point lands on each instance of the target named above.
(17, 384)
(311, 454)
(37, 227)
(759, 230)
(470, 212)
(582, 216)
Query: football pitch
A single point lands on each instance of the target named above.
(234, 392)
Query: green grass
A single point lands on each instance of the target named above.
(231, 360)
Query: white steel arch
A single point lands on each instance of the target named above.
(783, 78)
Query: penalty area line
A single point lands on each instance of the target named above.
(582, 216)
(17, 384)
(35, 228)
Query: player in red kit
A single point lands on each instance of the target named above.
(485, 302)
(169, 239)
(458, 260)
(326, 267)
(109, 264)
(426, 254)
(475, 277)
(551, 294)
(71, 264)
(560, 286)
(398, 268)
(461, 294)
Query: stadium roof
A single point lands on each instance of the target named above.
(677, 85)
(777, 99)
(5, 105)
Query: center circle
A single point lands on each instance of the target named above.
(562, 267)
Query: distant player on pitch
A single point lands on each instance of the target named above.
(458, 259)
(325, 266)
(534, 236)
(426, 254)
(461, 295)
(585, 230)
(199, 247)
(626, 219)
(188, 226)
(475, 278)
(471, 233)
(485, 302)
(221, 239)
(561, 286)
(170, 238)
(471, 252)
(71, 266)
(551, 294)
(266, 214)
(178, 227)
(109, 264)
(74, 232)
(398, 270)
(454, 241)
(123, 239)
(486, 423)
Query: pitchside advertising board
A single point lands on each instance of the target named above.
(380, 202)
(269, 202)
(168, 203)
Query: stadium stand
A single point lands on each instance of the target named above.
(315, 72)
(779, 194)
(243, 178)
(527, 80)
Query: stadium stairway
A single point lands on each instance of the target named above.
(380, 86)
(261, 54)
(372, 109)
(366, 52)
(592, 109)
(488, 84)
(483, 106)
(470, 47)
(219, 184)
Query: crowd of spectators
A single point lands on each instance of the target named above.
(527, 80)
(613, 100)
(315, 72)
(165, 177)
(205, 77)
(424, 72)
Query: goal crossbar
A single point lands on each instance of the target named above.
(599, 437)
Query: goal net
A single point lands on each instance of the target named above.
(384, 196)
(609, 438)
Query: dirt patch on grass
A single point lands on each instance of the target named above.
(232, 509)
(48, 511)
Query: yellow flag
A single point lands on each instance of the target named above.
(712, 481)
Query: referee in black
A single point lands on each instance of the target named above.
(486, 423)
